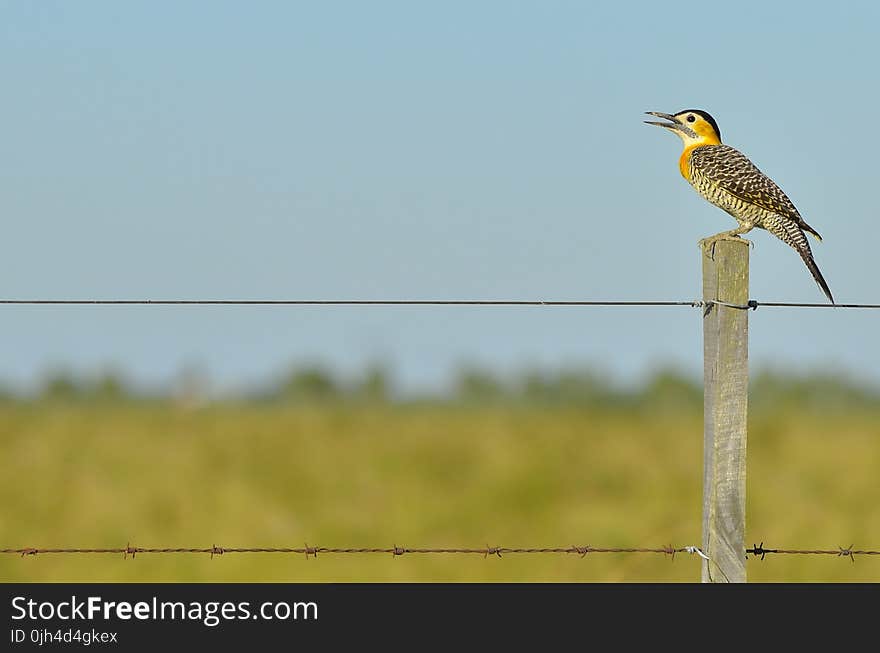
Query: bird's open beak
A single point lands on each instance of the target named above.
(672, 125)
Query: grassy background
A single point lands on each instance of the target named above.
(156, 475)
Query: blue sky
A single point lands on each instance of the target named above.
(420, 150)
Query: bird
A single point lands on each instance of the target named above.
(727, 178)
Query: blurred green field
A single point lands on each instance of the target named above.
(103, 475)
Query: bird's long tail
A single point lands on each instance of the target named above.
(791, 233)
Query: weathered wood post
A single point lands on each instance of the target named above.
(725, 401)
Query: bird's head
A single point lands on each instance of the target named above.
(693, 126)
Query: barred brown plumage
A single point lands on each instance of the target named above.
(728, 174)
(728, 179)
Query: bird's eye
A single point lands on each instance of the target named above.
(691, 118)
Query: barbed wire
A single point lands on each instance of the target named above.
(841, 552)
(395, 550)
(693, 303)
(757, 550)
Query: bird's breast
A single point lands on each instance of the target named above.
(684, 162)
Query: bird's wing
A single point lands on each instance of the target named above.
(732, 170)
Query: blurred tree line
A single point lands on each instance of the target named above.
(666, 389)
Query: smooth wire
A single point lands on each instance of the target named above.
(752, 304)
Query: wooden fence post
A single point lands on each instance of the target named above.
(725, 401)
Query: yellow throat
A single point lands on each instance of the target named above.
(707, 136)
